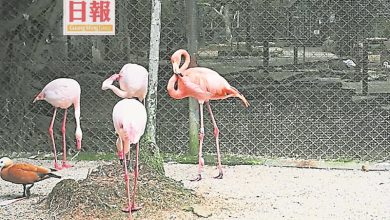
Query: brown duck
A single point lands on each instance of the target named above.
(24, 173)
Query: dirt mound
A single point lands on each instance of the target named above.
(102, 195)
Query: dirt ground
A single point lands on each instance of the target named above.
(246, 192)
(261, 192)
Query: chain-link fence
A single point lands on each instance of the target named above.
(315, 73)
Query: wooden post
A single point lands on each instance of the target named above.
(192, 45)
(365, 68)
(295, 55)
(265, 54)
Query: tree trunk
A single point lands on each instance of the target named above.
(193, 105)
(150, 151)
(228, 23)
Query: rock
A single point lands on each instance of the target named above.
(365, 167)
(188, 209)
(201, 211)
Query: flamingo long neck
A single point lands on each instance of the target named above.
(118, 91)
(186, 60)
(77, 115)
(175, 93)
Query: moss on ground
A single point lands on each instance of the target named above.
(209, 159)
(102, 195)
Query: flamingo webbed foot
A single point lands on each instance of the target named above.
(198, 178)
(220, 175)
(66, 165)
(132, 208)
(57, 167)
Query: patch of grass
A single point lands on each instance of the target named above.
(209, 159)
(342, 160)
(102, 195)
(92, 156)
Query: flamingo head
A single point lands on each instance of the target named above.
(119, 149)
(5, 161)
(175, 61)
(79, 136)
(40, 96)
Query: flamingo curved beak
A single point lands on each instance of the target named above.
(175, 67)
(39, 96)
(121, 155)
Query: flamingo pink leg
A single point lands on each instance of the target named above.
(216, 135)
(56, 166)
(136, 171)
(64, 163)
(128, 208)
(201, 136)
(129, 161)
(132, 207)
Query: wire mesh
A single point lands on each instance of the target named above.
(314, 72)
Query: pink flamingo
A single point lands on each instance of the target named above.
(133, 82)
(62, 93)
(204, 85)
(129, 118)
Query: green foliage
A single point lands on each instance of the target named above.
(385, 28)
(209, 159)
(150, 155)
(91, 156)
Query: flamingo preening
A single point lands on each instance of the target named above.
(133, 82)
(204, 85)
(129, 118)
(62, 93)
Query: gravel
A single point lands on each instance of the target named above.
(261, 192)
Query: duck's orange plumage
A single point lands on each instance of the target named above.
(203, 84)
(24, 173)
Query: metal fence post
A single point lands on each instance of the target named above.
(192, 45)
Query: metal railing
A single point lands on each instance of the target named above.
(286, 57)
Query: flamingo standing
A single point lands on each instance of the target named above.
(204, 85)
(62, 93)
(129, 118)
(24, 173)
(133, 82)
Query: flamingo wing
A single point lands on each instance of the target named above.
(208, 80)
(58, 92)
(195, 87)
